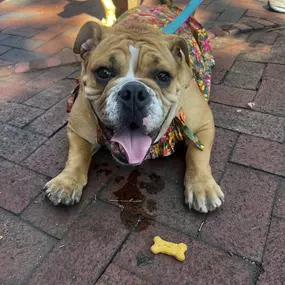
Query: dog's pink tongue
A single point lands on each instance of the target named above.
(135, 143)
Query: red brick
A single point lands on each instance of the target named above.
(56, 45)
(50, 159)
(85, 251)
(260, 153)
(21, 31)
(273, 260)
(217, 7)
(215, 267)
(223, 61)
(249, 122)
(39, 64)
(263, 37)
(230, 29)
(4, 49)
(231, 96)
(270, 97)
(22, 43)
(230, 46)
(16, 114)
(53, 61)
(18, 186)
(22, 78)
(279, 207)
(201, 14)
(5, 62)
(258, 56)
(231, 14)
(221, 151)
(251, 22)
(19, 55)
(243, 27)
(22, 249)
(17, 144)
(277, 57)
(116, 275)
(218, 31)
(245, 74)
(51, 33)
(67, 56)
(248, 5)
(207, 2)
(274, 71)
(17, 93)
(218, 76)
(264, 14)
(241, 225)
(52, 76)
(51, 121)
(279, 45)
(52, 95)
(22, 67)
(6, 70)
(248, 68)
(75, 75)
(241, 80)
(265, 23)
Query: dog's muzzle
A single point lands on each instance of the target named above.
(134, 98)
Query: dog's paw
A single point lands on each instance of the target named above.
(204, 196)
(63, 190)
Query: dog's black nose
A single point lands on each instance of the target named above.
(134, 96)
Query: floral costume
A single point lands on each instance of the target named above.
(200, 60)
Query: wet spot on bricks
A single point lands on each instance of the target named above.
(136, 206)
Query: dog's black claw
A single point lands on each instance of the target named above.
(45, 188)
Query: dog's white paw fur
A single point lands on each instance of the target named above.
(203, 196)
(63, 190)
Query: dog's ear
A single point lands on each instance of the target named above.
(179, 48)
(89, 36)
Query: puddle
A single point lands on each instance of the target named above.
(137, 209)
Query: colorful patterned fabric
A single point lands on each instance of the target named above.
(200, 59)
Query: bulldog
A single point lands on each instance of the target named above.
(138, 89)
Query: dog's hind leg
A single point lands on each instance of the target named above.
(110, 12)
(66, 188)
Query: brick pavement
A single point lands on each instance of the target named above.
(102, 242)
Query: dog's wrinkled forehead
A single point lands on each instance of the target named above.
(138, 48)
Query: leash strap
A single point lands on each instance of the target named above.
(172, 27)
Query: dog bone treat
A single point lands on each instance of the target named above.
(170, 248)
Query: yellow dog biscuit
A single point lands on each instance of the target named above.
(170, 248)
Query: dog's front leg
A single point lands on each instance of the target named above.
(201, 190)
(66, 188)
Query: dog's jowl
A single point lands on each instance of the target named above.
(141, 92)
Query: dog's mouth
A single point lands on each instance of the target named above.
(129, 145)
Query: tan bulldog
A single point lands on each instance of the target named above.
(134, 81)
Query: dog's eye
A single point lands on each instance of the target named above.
(104, 73)
(163, 78)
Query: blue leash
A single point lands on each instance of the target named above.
(172, 27)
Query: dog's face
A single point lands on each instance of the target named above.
(132, 77)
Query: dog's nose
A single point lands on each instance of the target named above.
(134, 96)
